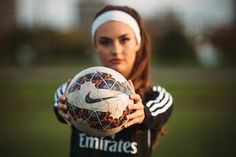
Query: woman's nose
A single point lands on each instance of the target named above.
(116, 48)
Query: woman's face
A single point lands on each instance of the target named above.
(116, 46)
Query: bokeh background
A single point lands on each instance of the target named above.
(43, 43)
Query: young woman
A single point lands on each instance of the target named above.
(122, 43)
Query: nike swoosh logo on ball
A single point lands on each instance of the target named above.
(90, 100)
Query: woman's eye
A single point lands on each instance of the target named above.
(104, 42)
(124, 40)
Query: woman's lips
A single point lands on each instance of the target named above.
(116, 61)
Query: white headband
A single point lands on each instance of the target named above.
(116, 15)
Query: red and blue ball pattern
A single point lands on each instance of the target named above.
(97, 119)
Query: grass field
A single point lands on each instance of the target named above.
(202, 124)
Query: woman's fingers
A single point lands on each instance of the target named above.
(131, 122)
(62, 99)
(63, 108)
(134, 118)
(137, 114)
(137, 102)
(64, 115)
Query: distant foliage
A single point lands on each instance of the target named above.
(174, 47)
(45, 46)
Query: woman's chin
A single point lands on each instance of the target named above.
(117, 67)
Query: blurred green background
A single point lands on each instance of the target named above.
(202, 124)
(193, 58)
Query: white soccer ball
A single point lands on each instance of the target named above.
(97, 99)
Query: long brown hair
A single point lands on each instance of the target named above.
(140, 74)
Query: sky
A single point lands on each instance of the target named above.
(62, 14)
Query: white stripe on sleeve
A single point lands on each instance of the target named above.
(160, 96)
(163, 109)
(161, 103)
(59, 92)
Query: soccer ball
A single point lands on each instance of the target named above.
(97, 100)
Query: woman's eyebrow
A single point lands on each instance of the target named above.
(108, 38)
(104, 37)
(123, 35)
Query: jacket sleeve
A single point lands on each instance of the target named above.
(59, 92)
(158, 108)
